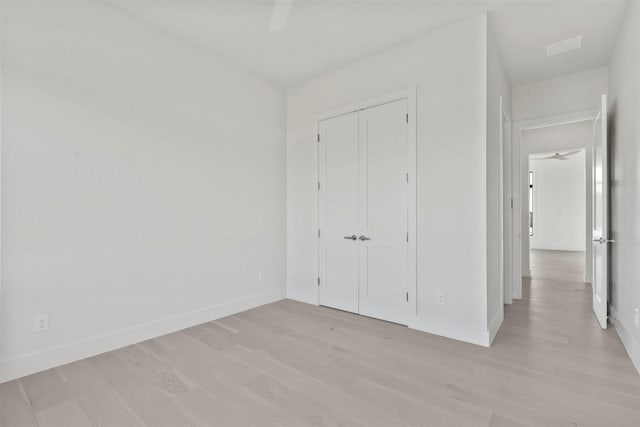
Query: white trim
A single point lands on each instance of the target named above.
(516, 236)
(503, 265)
(410, 94)
(407, 93)
(517, 128)
(507, 261)
(452, 330)
(495, 324)
(630, 344)
(555, 120)
(316, 212)
(412, 203)
(30, 363)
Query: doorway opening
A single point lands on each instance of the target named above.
(544, 137)
(557, 214)
(582, 134)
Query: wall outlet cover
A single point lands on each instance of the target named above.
(41, 323)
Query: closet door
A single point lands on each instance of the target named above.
(338, 212)
(383, 199)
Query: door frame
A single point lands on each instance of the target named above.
(410, 94)
(516, 214)
(506, 254)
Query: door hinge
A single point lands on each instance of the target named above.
(407, 117)
(318, 185)
(318, 281)
(407, 237)
(318, 137)
(512, 203)
(407, 177)
(318, 234)
(407, 296)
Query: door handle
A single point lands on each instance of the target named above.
(363, 237)
(602, 240)
(353, 237)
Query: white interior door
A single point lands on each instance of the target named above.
(338, 212)
(383, 241)
(600, 252)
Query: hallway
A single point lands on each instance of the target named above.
(555, 331)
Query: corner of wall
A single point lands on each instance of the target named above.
(624, 332)
(453, 331)
(300, 294)
(624, 107)
(484, 111)
(494, 325)
(1, 133)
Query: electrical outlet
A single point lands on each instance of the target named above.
(41, 323)
(440, 297)
(635, 316)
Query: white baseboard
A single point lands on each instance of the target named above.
(494, 325)
(302, 295)
(51, 357)
(453, 331)
(630, 344)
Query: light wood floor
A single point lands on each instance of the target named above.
(293, 364)
(562, 265)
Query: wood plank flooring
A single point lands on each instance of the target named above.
(562, 265)
(292, 364)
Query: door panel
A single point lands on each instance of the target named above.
(340, 282)
(384, 212)
(600, 253)
(338, 212)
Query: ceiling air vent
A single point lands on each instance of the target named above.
(564, 46)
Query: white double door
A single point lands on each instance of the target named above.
(363, 212)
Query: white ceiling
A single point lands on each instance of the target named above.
(324, 35)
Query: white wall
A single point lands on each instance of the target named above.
(143, 184)
(574, 92)
(559, 203)
(498, 85)
(449, 69)
(553, 139)
(624, 103)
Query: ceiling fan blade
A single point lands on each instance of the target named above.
(558, 156)
(280, 15)
(570, 153)
(555, 156)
